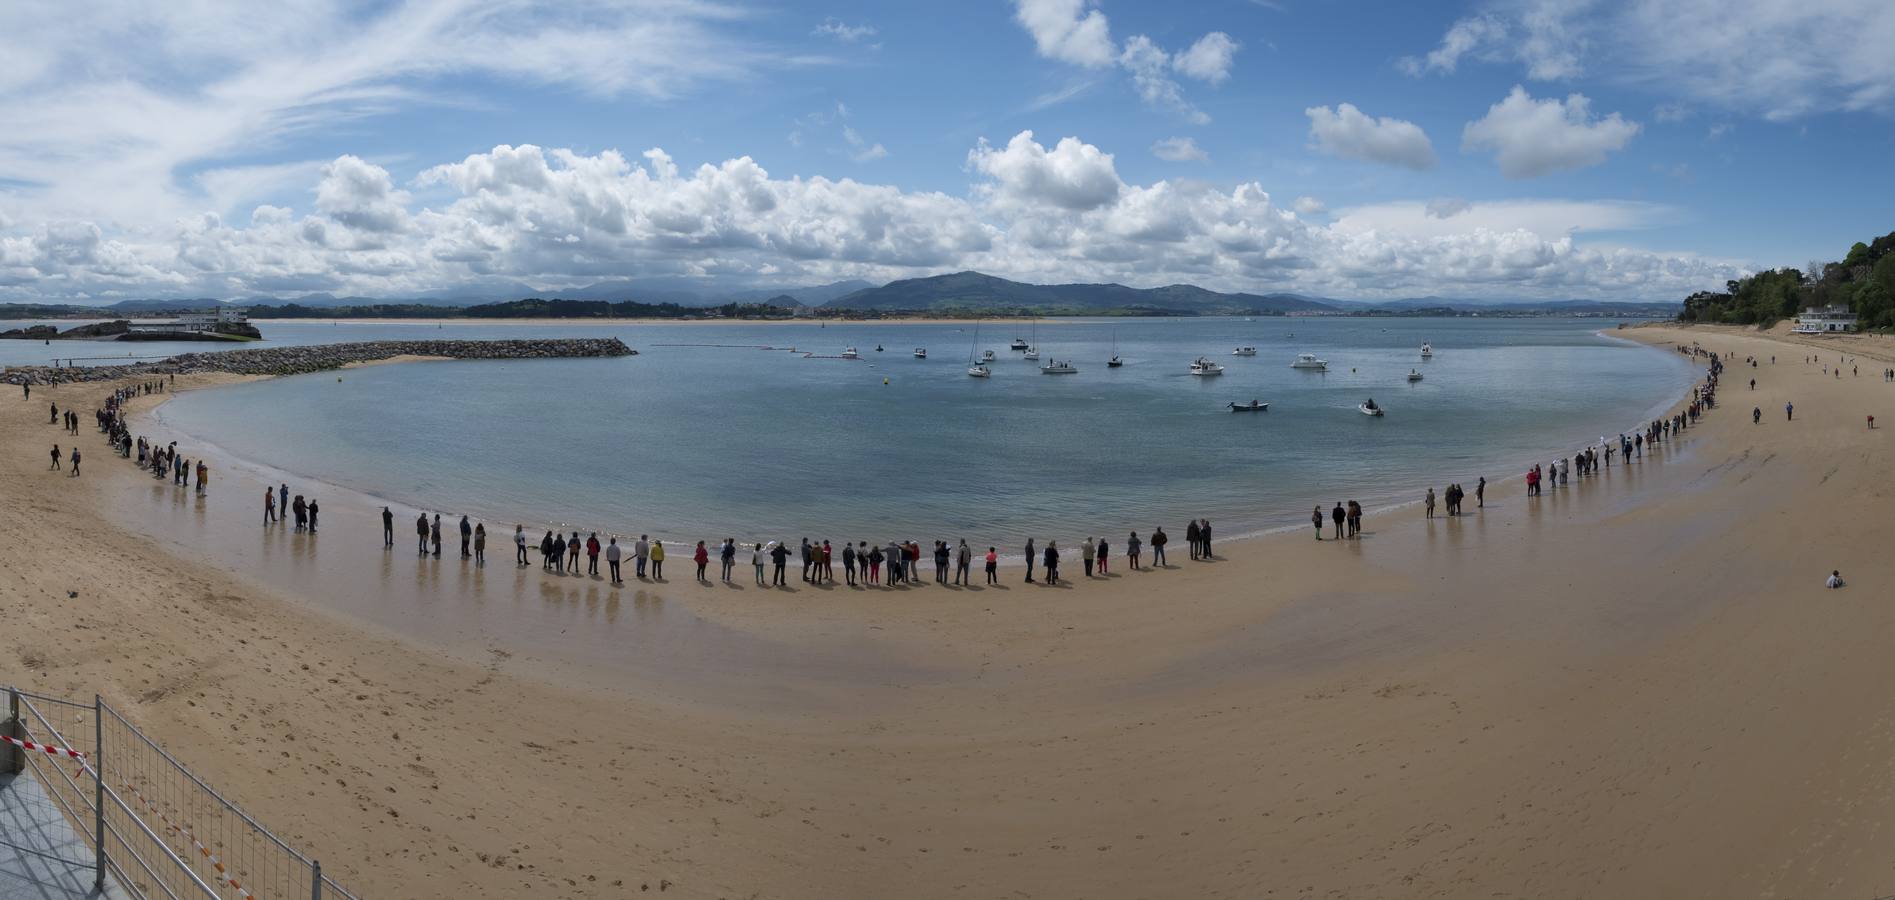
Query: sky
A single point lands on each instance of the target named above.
(1509, 149)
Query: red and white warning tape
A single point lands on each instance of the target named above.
(41, 748)
(185, 833)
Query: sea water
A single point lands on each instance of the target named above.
(721, 430)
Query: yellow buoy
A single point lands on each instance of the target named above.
(884, 381)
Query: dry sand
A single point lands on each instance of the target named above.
(1632, 687)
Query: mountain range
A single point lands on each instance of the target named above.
(959, 292)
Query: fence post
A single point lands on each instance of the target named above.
(98, 790)
(15, 760)
(315, 880)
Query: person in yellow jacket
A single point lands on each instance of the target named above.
(657, 560)
(203, 476)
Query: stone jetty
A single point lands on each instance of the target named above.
(321, 357)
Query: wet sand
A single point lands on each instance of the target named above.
(1634, 686)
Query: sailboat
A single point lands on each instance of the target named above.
(1033, 347)
(978, 368)
(1115, 361)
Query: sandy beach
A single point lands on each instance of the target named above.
(1634, 686)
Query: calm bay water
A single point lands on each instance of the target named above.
(692, 441)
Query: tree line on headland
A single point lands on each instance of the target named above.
(1864, 281)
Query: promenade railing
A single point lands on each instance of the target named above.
(147, 822)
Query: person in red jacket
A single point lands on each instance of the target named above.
(592, 554)
(703, 558)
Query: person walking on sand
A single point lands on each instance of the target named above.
(283, 498)
(756, 562)
(519, 544)
(592, 554)
(56, 457)
(657, 560)
(1158, 541)
(1339, 515)
(1789, 412)
(641, 552)
(421, 534)
(1052, 562)
(613, 556)
(314, 510)
(434, 535)
(75, 464)
(1428, 501)
(480, 545)
(388, 523)
(993, 566)
(963, 563)
(702, 557)
(1756, 415)
(1191, 537)
(728, 556)
(467, 535)
(1030, 560)
(1355, 519)
(269, 506)
(1204, 535)
(1132, 547)
(1104, 552)
(1086, 551)
(780, 560)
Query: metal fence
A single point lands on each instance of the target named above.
(157, 829)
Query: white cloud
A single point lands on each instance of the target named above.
(1066, 30)
(1074, 175)
(862, 150)
(1446, 207)
(1671, 112)
(1179, 149)
(1531, 137)
(1777, 58)
(1349, 133)
(558, 218)
(1718, 131)
(1310, 206)
(1463, 37)
(111, 108)
(1150, 66)
(1071, 31)
(1209, 59)
(842, 31)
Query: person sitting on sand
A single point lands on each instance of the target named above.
(1835, 579)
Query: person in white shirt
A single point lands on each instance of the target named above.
(756, 562)
(612, 555)
(1835, 579)
(640, 552)
(519, 544)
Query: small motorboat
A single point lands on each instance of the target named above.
(986, 356)
(1427, 351)
(878, 348)
(1018, 344)
(850, 353)
(921, 353)
(978, 371)
(1114, 363)
(1059, 367)
(1031, 353)
(1252, 406)
(1370, 409)
(1414, 375)
(1203, 366)
(1309, 361)
(1244, 351)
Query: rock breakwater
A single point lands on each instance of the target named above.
(321, 357)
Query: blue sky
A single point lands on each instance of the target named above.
(1520, 148)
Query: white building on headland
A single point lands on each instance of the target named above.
(1827, 320)
(197, 321)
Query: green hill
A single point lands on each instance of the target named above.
(974, 292)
